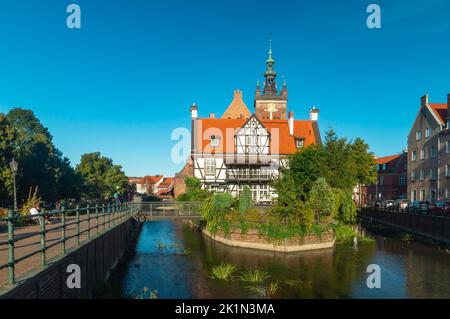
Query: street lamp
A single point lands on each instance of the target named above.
(14, 168)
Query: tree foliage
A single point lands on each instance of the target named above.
(41, 164)
(102, 179)
(321, 198)
(245, 200)
(323, 177)
(194, 190)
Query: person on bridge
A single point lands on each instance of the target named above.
(35, 211)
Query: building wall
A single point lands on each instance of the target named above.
(421, 183)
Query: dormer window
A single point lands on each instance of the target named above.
(215, 141)
(299, 143)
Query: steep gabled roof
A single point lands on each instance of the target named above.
(237, 108)
(440, 110)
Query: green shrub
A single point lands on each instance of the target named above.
(254, 276)
(245, 200)
(223, 271)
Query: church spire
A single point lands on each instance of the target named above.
(270, 86)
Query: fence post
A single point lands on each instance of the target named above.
(63, 232)
(96, 218)
(11, 259)
(78, 225)
(42, 236)
(109, 216)
(88, 211)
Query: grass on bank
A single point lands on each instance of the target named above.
(254, 276)
(223, 271)
(345, 234)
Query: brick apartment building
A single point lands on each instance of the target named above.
(429, 152)
(391, 180)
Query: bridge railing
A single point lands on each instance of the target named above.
(75, 225)
(168, 209)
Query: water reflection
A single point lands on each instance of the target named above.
(408, 270)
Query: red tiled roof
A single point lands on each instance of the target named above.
(387, 159)
(281, 141)
(166, 183)
(440, 109)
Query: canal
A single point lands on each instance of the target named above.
(175, 261)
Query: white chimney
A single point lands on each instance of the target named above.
(291, 123)
(212, 116)
(314, 114)
(194, 111)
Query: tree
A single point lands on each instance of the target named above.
(7, 136)
(101, 178)
(321, 198)
(41, 164)
(245, 200)
(340, 168)
(194, 190)
(366, 172)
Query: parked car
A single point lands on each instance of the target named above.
(401, 204)
(441, 208)
(418, 206)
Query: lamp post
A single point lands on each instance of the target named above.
(14, 168)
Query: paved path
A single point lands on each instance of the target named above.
(28, 240)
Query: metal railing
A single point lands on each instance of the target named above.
(99, 219)
(149, 210)
(423, 208)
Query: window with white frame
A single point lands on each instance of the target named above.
(413, 195)
(421, 175)
(210, 167)
(432, 195)
(433, 151)
(428, 132)
(413, 175)
(300, 143)
(413, 156)
(447, 170)
(402, 180)
(447, 147)
(422, 194)
(384, 167)
(215, 141)
(418, 135)
(422, 154)
(433, 173)
(447, 192)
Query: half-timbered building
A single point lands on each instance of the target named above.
(244, 148)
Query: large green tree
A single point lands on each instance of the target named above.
(102, 179)
(7, 136)
(41, 164)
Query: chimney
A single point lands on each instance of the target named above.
(212, 116)
(424, 100)
(314, 114)
(194, 111)
(291, 123)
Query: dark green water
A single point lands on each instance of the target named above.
(176, 261)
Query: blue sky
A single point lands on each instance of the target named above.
(122, 83)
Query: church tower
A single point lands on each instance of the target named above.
(270, 104)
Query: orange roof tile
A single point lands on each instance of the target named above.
(281, 140)
(440, 109)
(386, 159)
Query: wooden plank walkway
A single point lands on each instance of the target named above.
(25, 245)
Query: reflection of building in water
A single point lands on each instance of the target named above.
(427, 272)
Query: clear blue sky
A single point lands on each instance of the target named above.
(122, 83)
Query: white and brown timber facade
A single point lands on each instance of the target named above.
(247, 149)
